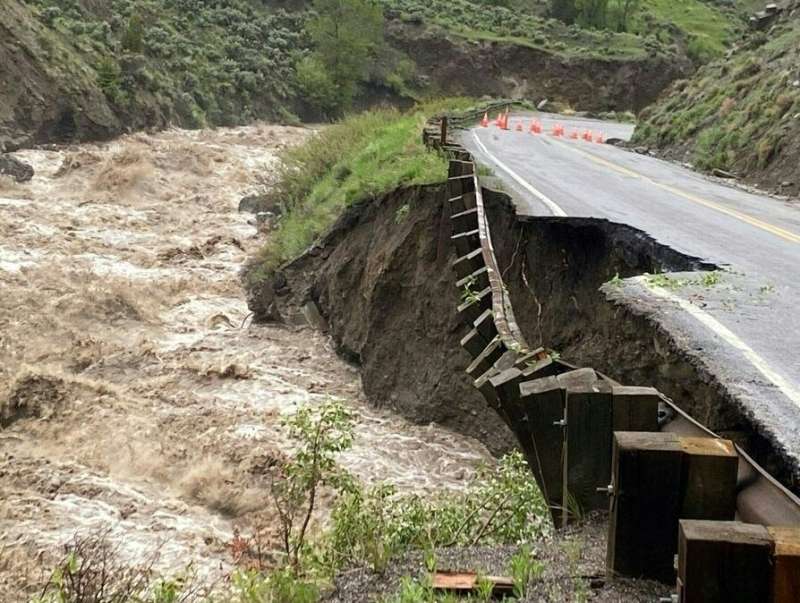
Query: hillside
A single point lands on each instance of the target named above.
(90, 69)
(740, 114)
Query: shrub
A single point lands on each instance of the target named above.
(317, 87)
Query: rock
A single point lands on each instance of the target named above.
(542, 104)
(19, 171)
(722, 173)
(616, 142)
(259, 204)
(642, 150)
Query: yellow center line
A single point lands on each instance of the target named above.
(771, 228)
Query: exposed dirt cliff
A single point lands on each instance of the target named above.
(382, 280)
(459, 66)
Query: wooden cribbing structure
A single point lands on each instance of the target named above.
(732, 562)
(658, 479)
(672, 486)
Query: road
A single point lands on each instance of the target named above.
(747, 325)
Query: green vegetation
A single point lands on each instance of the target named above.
(346, 34)
(706, 279)
(368, 527)
(193, 61)
(358, 158)
(737, 115)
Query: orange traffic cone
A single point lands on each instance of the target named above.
(485, 121)
(587, 136)
(504, 125)
(519, 127)
(600, 138)
(574, 135)
(499, 121)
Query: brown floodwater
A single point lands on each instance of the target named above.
(139, 399)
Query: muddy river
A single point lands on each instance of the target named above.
(136, 395)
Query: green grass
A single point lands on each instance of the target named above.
(709, 29)
(358, 158)
(738, 114)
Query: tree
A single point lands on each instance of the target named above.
(320, 434)
(319, 89)
(346, 33)
(592, 13)
(563, 10)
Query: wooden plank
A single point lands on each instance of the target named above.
(542, 401)
(645, 507)
(464, 220)
(466, 582)
(589, 445)
(476, 281)
(635, 408)
(484, 324)
(471, 309)
(474, 343)
(465, 242)
(459, 168)
(650, 497)
(459, 185)
(506, 384)
(468, 263)
(486, 359)
(709, 478)
(786, 564)
(723, 562)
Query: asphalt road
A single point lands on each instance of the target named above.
(746, 327)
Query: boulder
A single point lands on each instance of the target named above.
(18, 170)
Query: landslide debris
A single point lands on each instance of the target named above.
(740, 114)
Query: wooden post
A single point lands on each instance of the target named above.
(443, 137)
(543, 404)
(657, 479)
(786, 564)
(723, 562)
(589, 442)
(645, 505)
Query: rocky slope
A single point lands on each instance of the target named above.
(740, 114)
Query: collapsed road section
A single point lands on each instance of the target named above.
(674, 485)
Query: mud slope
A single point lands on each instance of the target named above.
(458, 67)
(382, 279)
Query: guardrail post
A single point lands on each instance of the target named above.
(443, 137)
(658, 479)
(723, 562)
(786, 564)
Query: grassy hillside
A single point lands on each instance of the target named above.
(741, 114)
(704, 29)
(93, 68)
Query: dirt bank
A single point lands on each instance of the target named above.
(457, 66)
(134, 392)
(554, 269)
(382, 280)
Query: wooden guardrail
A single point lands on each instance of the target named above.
(595, 444)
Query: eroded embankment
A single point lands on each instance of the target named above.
(383, 282)
(382, 279)
(554, 269)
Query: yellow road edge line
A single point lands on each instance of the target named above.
(766, 226)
